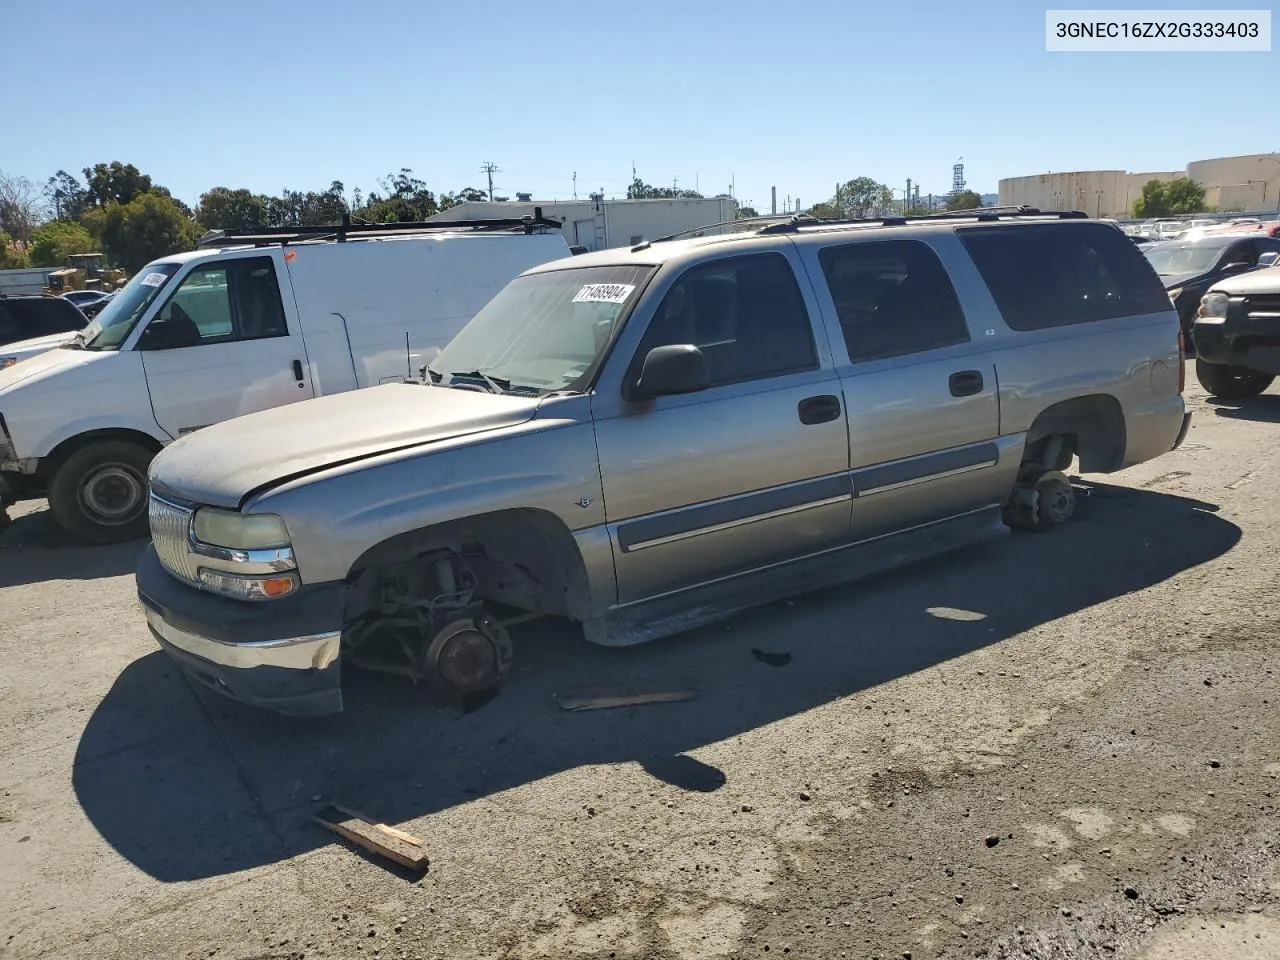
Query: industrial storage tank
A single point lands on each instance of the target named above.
(1250, 182)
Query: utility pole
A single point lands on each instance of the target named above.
(490, 168)
(788, 206)
(774, 202)
(575, 184)
(906, 199)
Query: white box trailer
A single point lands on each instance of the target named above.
(256, 321)
(24, 280)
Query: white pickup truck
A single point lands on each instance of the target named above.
(256, 321)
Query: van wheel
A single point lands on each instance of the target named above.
(1231, 383)
(99, 493)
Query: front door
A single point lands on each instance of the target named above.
(922, 395)
(221, 347)
(751, 470)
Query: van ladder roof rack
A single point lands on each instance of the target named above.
(340, 232)
(980, 214)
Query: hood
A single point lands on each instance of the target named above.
(27, 348)
(220, 464)
(48, 363)
(1262, 280)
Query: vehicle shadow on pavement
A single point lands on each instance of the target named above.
(34, 549)
(1263, 409)
(188, 785)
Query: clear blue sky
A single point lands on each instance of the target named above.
(297, 93)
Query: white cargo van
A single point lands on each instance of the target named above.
(256, 321)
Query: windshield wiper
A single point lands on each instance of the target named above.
(495, 384)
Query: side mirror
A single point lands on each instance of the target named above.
(163, 335)
(1236, 267)
(672, 369)
(1268, 259)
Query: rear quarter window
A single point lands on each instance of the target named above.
(42, 316)
(1045, 275)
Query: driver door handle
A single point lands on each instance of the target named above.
(965, 383)
(297, 371)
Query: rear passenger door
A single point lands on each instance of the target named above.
(749, 471)
(921, 394)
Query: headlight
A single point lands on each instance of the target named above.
(1175, 293)
(1213, 305)
(240, 531)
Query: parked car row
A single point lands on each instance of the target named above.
(642, 440)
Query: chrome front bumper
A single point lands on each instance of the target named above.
(282, 655)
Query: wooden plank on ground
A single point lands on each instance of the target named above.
(606, 700)
(403, 848)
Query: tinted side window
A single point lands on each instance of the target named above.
(893, 297)
(43, 316)
(8, 326)
(746, 314)
(1057, 274)
(228, 301)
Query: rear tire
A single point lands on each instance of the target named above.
(99, 493)
(1231, 383)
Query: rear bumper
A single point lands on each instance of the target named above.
(280, 655)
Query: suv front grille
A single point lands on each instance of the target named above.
(1263, 303)
(170, 532)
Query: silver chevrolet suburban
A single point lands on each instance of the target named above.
(648, 439)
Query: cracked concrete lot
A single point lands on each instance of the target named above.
(1054, 746)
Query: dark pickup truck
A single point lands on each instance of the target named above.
(1237, 334)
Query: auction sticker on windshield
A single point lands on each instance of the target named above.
(604, 293)
(154, 279)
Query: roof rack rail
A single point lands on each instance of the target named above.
(340, 232)
(697, 231)
(981, 214)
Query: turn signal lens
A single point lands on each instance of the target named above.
(248, 588)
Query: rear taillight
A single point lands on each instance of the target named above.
(1182, 359)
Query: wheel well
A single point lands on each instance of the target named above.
(59, 454)
(524, 558)
(1092, 426)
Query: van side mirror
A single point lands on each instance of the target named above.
(1268, 259)
(672, 369)
(167, 335)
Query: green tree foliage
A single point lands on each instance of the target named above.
(115, 182)
(404, 199)
(67, 195)
(964, 200)
(12, 256)
(859, 197)
(225, 209)
(294, 208)
(639, 190)
(1167, 199)
(149, 226)
(745, 213)
(56, 240)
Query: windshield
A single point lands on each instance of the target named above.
(1174, 259)
(543, 332)
(110, 327)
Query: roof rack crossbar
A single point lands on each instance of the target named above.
(266, 236)
(694, 232)
(982, 214)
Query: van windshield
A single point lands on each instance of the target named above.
(542, 333)
(118, 318)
